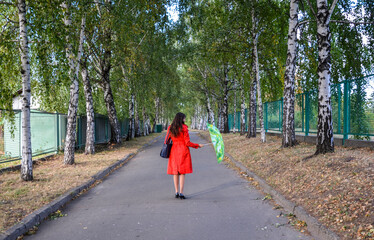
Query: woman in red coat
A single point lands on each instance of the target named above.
(180, 156)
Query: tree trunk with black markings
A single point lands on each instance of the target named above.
(90, 130)
(289, 138)
(325, 138)
(26, 161)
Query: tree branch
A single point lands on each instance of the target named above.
(331, 11)
(7, 3)
(302, 23)
(349, 22)
(311, 8)
(141, 40)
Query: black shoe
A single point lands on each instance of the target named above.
(177, 195)
(181, 196)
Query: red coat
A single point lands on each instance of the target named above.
(180, 156)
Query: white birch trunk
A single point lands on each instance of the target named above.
(325, 139)
(132, 118)
(90, 130)
(260, 107)
(242, 108)
(26, 162)
(234, 116)
(256, 74)
(74, 87)
(289, 138)
(253, 103)
(144, 122)
(137, 121)
(157, 106)
(208, 106)
(221, 120)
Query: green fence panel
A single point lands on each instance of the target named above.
(12, 138)
(43, 132)
(299, 113)
(124, 127)
(159, 128)
(231, 121)
(361, 118)
(273, 114)
(101, 131)
(313, 111)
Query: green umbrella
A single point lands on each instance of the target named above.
(217, 141)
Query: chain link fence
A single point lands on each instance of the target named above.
(352, 104)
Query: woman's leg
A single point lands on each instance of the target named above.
(181, 184)
(176, 182)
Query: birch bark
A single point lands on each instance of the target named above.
(325, 139)
(26, 162)
(157, 107)
(289, 138)
(132, 118)
(253, 99)
(225, 106)
(242, 107)
(144, 122)
(109, 100)
(260, 109)
(137, 121)
(74, 87)
(90, 131)
(105, 67)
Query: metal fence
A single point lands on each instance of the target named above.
(48, 131)
(352, 104)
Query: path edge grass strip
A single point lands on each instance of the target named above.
(314, 226)
(36, 217)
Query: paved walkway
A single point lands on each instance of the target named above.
(137, 202)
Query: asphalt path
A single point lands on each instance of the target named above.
(137, 202)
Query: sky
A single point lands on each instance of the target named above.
(173, 12)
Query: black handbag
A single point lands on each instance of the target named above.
(165, 150)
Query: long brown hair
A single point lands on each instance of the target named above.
(176, 126)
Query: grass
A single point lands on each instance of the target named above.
(336, 188)
(52, 178)
(17, 162)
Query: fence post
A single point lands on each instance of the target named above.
(339, 107)
(58, 132)
(302, 111)
(307, 113)
(266, 116)
(346, 111)
(20, 134)
(280, 114)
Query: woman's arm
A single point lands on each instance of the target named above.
(187, 138)
(167, 135)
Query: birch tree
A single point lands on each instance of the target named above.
(242, 105)
(90, 129)
(254, 85)
(100, 45)
(325, 139)
(289, 138)
(74, 61)
(26, 162)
